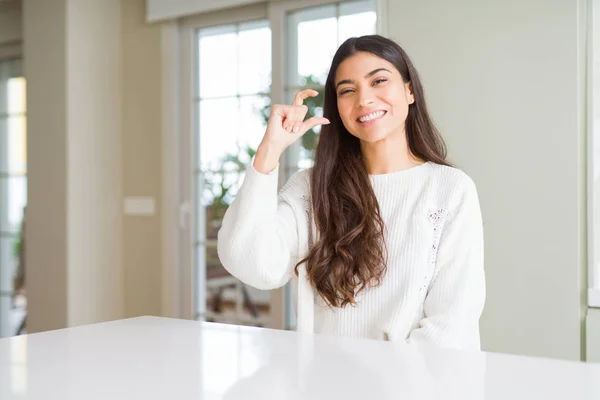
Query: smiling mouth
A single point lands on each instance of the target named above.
(372, 116)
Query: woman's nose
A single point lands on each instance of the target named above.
(366, 97)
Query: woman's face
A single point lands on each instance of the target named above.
(372, 98)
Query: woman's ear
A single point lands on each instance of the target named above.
(410, 97)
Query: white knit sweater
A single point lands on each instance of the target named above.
(434, 287)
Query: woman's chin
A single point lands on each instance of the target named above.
(372, 136)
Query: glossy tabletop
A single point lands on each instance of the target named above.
(157, 358)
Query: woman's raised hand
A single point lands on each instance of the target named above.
(286, 125)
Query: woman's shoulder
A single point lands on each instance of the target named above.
(452, 180)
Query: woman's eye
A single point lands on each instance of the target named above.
(378, 81)
(345, 91)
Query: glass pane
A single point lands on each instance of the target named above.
(9, 317)
(9, 255)
(357, 25)
(254, 46)
(16, 95)
(218, 63)
(218, 122)
(12, 280)
(227, 299)
(234, 67)
(230, 131)
(313, 38)
(12, 95)
(216, 191)
(13, 145)
(356, 18)
(253, 117)
(13, 197)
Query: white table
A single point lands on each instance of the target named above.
(156, 358)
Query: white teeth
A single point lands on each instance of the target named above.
(371, 116)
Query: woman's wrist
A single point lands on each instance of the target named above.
(267, 158)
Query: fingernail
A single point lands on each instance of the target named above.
(295, 129)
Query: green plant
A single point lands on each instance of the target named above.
(17, 246)
(18, 241)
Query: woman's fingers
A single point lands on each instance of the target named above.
(311, 123)
(302, 95)
(289, 115)
(296, 119)
(294, 115)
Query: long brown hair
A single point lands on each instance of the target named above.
(349, 254)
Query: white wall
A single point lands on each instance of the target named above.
(74, 225)
(503, 81)
(94, 124)
(141, 141)
(46, 247)
(95, 225)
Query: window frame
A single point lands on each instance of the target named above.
(11, 51)
(190, 294)
(593, 160)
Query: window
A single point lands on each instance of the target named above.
(233, 84)
(13, 195)
(238, 62)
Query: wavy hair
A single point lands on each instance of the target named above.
(350, 253)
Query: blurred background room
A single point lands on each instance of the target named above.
(126, 127)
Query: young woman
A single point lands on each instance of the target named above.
(384, 237)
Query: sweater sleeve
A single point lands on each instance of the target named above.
(456, 297)
(258, 239)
